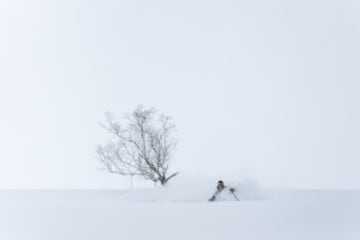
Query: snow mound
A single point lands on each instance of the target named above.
(199, 189)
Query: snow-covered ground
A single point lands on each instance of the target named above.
(108, 215)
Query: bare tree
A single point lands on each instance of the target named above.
(143, 146)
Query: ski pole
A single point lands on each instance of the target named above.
(232, 190)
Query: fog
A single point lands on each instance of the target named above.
(260, 89)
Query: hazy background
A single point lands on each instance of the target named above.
(267, 89)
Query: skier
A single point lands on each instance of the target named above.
(219, 188)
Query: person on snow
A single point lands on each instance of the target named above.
(219, 188)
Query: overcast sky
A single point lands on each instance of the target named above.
(257, 88)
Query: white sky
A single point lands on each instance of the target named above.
(267, 89)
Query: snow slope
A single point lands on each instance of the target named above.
(110, 215)
(196, 189)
